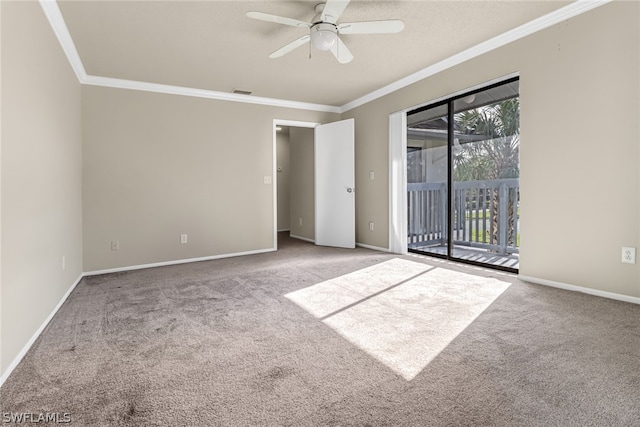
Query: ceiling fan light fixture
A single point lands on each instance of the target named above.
(324, 36)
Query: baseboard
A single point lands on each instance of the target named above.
(590, 291)
(362, 245)
(306, 239)
(374, 248)
(35, 336)
(284, 229)
(175, 262)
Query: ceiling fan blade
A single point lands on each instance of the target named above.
(341, 52)
(371, 27)
(333, 9)
(277, 19)
(291, 46)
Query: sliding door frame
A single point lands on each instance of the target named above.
(398, 224)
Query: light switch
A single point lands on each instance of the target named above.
(267, 180)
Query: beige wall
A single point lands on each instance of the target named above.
(41, 172)
(157, 166)
(284, 172)
(302, 182)
(580, 186)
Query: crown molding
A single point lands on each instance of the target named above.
(569, 11)
(53, 14)
(203, 93)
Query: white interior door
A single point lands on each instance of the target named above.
(335, 184)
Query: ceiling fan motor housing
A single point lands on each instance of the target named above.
(324, 35)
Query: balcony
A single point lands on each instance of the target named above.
(485, 220)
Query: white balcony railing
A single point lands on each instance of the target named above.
(485, 215)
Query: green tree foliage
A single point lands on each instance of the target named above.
(496, 153)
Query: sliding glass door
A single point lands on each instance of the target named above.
(427, 169)
(462, 177)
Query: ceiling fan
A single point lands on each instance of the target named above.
(324, 29)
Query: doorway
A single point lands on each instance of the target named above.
(314, 173)
(294, 194)
(295, 182)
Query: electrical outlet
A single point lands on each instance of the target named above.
(628, 255)
(115, 245)
(372, 175)
(371, 225)
(300, 221)
(183, 238)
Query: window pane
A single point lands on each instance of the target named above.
(486, 169)
(427, 163)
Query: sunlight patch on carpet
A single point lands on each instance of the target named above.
(401, 312)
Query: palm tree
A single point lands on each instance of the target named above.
(494, 154)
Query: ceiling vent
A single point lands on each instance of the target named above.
(242, 92)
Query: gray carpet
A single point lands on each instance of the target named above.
(313, 336)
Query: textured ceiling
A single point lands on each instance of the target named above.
(212, 44)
